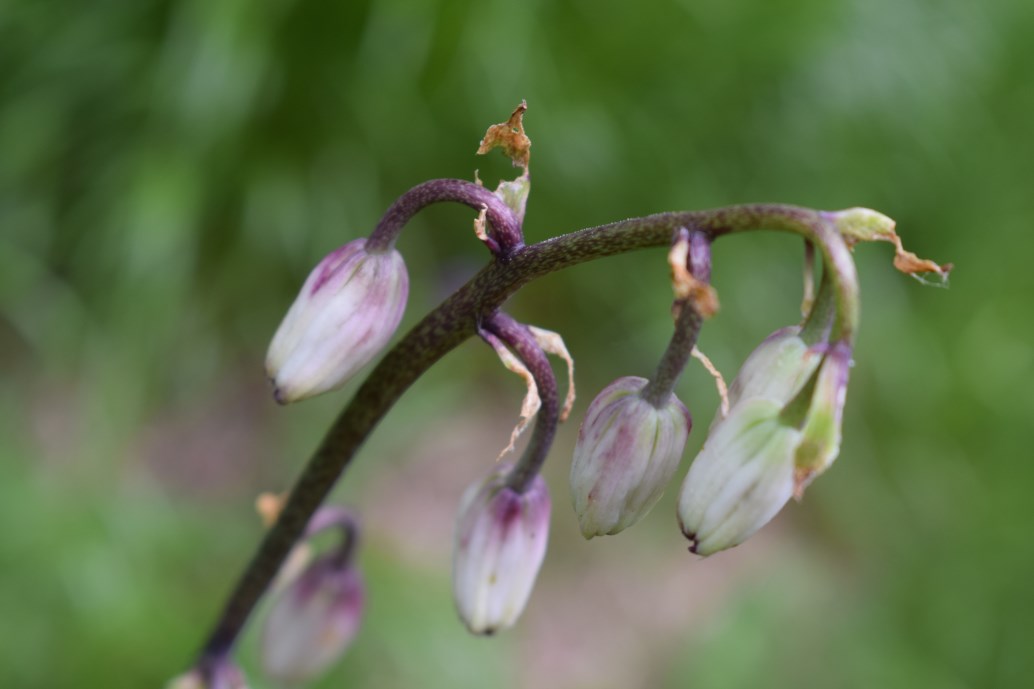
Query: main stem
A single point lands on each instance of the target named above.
(456, 319)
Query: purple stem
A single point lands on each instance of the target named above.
(334, 517)
(687, 326)
(519, 339)
(506, 237)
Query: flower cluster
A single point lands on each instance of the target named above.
(778, 428)
(781, 430)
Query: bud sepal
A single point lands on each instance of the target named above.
(821, 430)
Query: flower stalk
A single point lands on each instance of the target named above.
(506, 237)
(688, 321)
(521, 340)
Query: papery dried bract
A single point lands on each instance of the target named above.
(313, 621)
(742, 477)
(627, 452)
(347, 310)
(866, 225)
(500, 542)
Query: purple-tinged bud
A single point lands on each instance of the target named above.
(626, 454)
(777, 369)
(500, 542)
(221, 674)
(313, 621)
(346, 312)
(820, 441)
(742, 477)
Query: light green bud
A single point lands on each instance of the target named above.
(742, 477)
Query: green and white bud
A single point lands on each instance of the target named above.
(777, 369)
(742, 477)
(348, 309)
(862, 225)
(627, 452)
(500, 542)
(777, 437)
(313, 621)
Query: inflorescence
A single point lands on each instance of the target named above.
(778, 427)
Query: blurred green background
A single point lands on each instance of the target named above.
(169, 173)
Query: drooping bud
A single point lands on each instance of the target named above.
(500, 542)
(313, 621)
(346, 312)
(777, 369)
(820, 441)
(778, 436)
(219, 674)
(742, 477)
(626, 454)
(862, 225)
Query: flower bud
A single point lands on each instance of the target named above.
(626, 454)
(500, 543)
(313, 621)
(346, 312)
(862, 224)
(777, 369)
(820, 441)
(742, 477)
(220, 674)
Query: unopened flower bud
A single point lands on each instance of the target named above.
(346, 312)
(626, 454)
(219, 674)
(820, 433)
(862, 224)
(313, 621)
(500, 543)
(742, 477)
(777, 369)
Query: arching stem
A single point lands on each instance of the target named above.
(506, 236)
(518, 338)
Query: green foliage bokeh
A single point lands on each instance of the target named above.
(169, 172)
